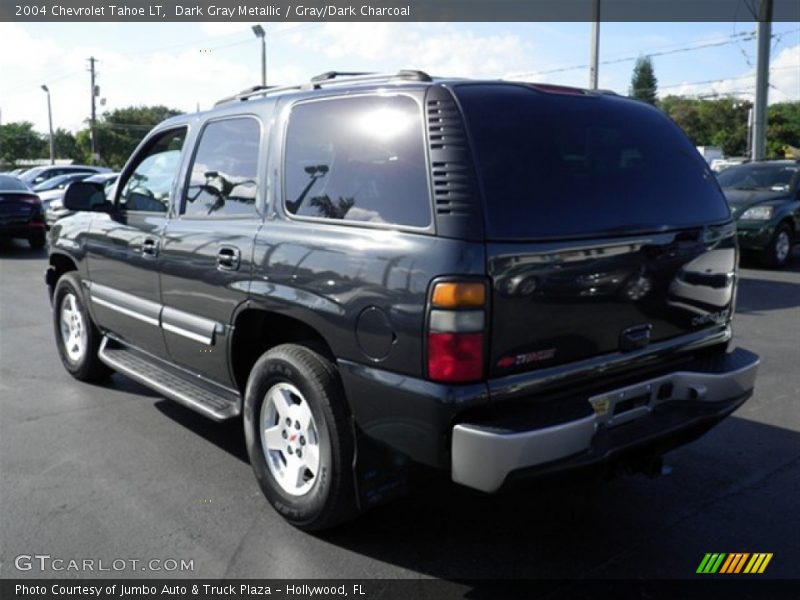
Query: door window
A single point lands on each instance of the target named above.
(223, 181)
(149, 186)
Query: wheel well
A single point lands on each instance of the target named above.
(59, 264)
(256, 331)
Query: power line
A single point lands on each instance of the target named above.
(731, 39)
(709, 81)
(54, 77)
(748, 76)
(700, 46)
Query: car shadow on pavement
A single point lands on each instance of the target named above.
(715, 498)
(574, 526)
(759, 295)
(228, 435)
(20, 249)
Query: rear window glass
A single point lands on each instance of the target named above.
(561, 165)
(12, 184)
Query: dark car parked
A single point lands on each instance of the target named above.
(21, 214)
(498, 280)
(765, 200)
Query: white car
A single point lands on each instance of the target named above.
(54, 188)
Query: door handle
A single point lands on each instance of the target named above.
(228, 258)
(150, 246)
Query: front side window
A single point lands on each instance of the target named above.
(358, 159)
(149, 186)
(224, 175)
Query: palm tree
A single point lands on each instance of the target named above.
(330, 210)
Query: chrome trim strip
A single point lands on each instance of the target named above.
(208, 341)
(182, 323)
(482, 457)
(125, 303)
(124, 311)
(189, 325)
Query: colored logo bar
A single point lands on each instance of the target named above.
(735, 562)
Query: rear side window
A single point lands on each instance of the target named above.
(358, 159)
(223, 178)
(562, 165)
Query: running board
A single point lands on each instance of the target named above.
(218, 407)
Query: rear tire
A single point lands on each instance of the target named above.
(77, 337)
(295, 407)
(779, 249)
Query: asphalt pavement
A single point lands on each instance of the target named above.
(115, 471)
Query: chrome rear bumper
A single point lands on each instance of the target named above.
(483, 457)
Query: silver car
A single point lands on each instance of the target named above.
(55, 210)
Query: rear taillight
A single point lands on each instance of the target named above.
(456, 332)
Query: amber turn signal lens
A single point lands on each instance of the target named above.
(457, 295)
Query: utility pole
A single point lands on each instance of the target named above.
(93, 122)
(762, 80)
(595, 49)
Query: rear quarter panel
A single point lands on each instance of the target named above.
(328, 275)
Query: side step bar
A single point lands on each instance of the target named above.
(217, 406)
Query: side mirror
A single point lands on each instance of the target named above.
(81, 196)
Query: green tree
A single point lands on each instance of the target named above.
(644, 85)
(64, 144)
(783, 127)
(120, 131)
(19, 140)
(719, 122)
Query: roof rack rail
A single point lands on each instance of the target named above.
(332, 77)
(256, 90)
(328, 78)
(328, 75)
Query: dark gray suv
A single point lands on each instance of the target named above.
(494, 279)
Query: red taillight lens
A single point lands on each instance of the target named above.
(455, 357)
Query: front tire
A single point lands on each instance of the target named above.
(299, 437)
(77, 337)
(777, 253)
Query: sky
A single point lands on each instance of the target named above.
(191, 65)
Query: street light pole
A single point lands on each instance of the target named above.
(260, 33)
(50, 123)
